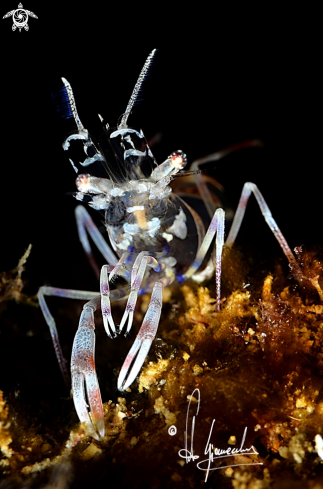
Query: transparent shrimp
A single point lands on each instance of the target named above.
(155, 239)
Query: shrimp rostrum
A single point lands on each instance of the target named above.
(155, 237)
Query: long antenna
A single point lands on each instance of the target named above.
(70, 95)
(136, 90)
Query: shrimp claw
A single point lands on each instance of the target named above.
(139, 350)
(84, 374)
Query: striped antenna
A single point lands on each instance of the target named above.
(70, 95)
(136, 90)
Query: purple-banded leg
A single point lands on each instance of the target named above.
(70, 294)
(105, 292)
(206, 195)
(145, 337)
(137, 275)
(203, 189)
(105, 301)
(239, 215)
(83, 295)
(83, 371)
(86, 225)
(216, 227)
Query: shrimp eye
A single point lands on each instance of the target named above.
(116, 211)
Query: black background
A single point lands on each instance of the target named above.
(218, 78)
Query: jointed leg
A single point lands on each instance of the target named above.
(83, 370)
(246, 192)
(204, 191)
(86, 225)
(69, 294)
(145, 337)
(106, 294)
(137, 275)
(105, 301)
(216, 227)
(206, 194)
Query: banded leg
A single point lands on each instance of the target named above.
(83, 371)
(145, 337)
(69, 294)
(86, 225)
(105, 292)
(206, 195)
(137, 275)
(239, 215)
(105, 301)
(204, 191)
(216, 227)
